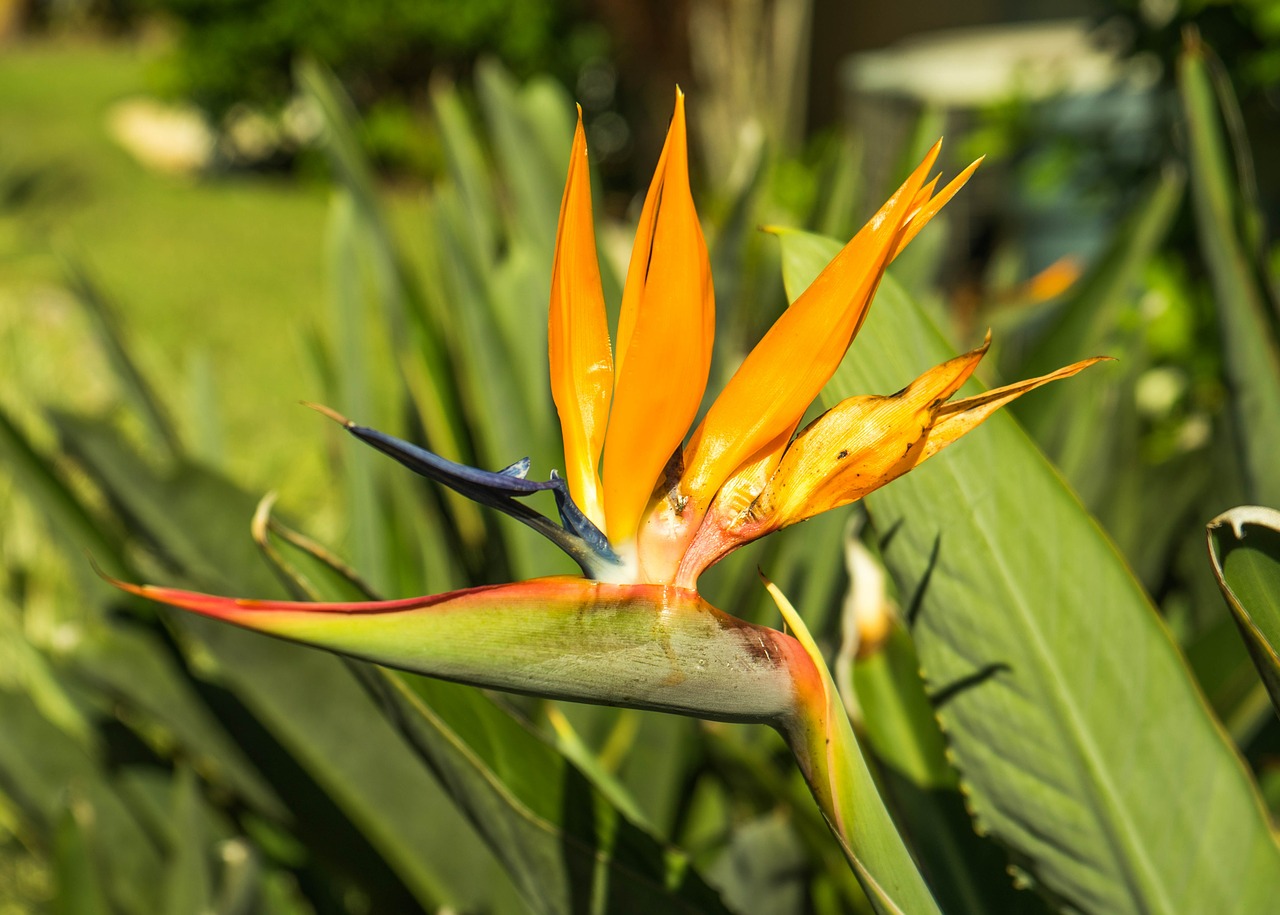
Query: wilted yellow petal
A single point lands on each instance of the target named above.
(859, 445)
(578, 338)
(665, 332)
(957, 419)
(784, 372)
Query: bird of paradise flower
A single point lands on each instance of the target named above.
(644, 512)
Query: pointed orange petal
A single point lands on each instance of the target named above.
(578, 338)
(957, 419)
(665, 331)
(859, 445)
(921, 214)
(788, 367)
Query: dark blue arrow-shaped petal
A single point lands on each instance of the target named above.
(578, 537)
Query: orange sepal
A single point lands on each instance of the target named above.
(578, 338)
(665, 331)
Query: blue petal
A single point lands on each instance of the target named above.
(578, 537)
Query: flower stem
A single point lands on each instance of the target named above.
(832, 763)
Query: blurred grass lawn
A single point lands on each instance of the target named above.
(219, 277)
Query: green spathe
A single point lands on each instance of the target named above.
(639, 646)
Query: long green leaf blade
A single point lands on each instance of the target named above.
(188, 885)
(79, 888)
(68, 516)
(43, 771)
(132, 382)
(1250, 352)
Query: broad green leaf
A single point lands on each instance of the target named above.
(1244, 548)
(1250, 352)
(1083, 743)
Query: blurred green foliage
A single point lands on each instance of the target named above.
(156, 762)
(230, 52)
(236, 54)
(1243, 32)
(1245, 37)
